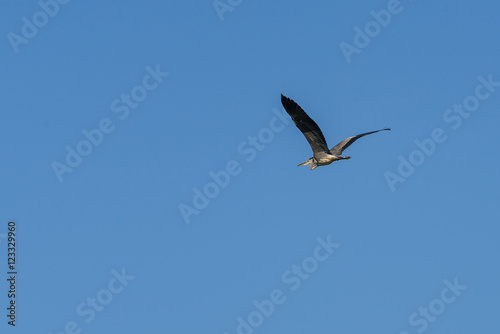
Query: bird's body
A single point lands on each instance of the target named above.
(322, 155)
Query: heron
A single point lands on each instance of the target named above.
(312, 132)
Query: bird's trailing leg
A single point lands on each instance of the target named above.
(345, 158)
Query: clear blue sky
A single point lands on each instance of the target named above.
(117, 117)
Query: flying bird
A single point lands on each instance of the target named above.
(322, 155)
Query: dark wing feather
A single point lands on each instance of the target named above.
(306, 125)
(344, 144)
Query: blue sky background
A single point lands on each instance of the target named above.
(119, 209)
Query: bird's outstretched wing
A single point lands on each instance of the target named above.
(306, 125)
(340, 147)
